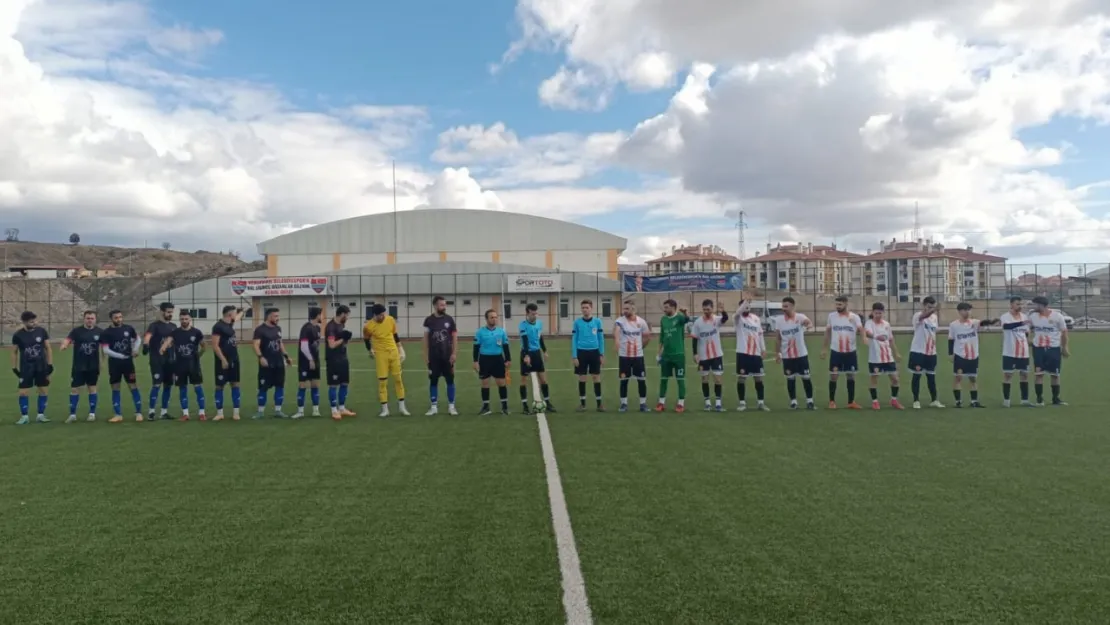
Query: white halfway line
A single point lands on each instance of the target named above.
(575, 603)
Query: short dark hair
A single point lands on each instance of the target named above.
(842, 298)
(489, 312)
(437, 299)
(788, 300)
(377, 309)
(184, 313)
(314, 312)
(670, 302)
(27, 316)
(88, 312)
(269, 311)
(1040, 300)
(342, 309)
(114, 312)
(531, 307)
(929, 300)
(629, 302)
(164, 306)
(963, 306)
(587, 301)
(1015, 298)
(228, 309)
(878, 306)
(707, 302)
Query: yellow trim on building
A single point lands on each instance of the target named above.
(496, 256)
(336, 261)
(614, 255)
(443, 257)
(549, 259)
(391, 258)
(271, 266)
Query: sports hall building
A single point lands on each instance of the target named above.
(476, 259)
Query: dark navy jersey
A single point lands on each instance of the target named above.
(334, 331)
(32, 347)
(86, 348)
(225, 337)
(310, 333)
(440, 332)
(272, 350)
(160, 331)
(120, 339)
(187, 343)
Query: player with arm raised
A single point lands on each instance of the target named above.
(272, 363)
(384, 344)
(751, 349)
(841, 331)
(1050, 347)
(308, 362)
(631, 334)
(882, 355)
(32, 364)
(337, 337)
(441, 350)
(492, 358)
(188, 345)
(85, 370)
(120, 344)
(672, 353)
(156, 345)
(533, 354)
(791, 351)
(225, 347)
(587, 353)
(1015, 351)
(923, 352)
(963, 350)
(710, 355)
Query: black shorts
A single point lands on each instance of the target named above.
(491, 367)
(589, 362)
(161, 372)
(882, 368)
(1047, 360)
(963, 366)
(77, 379)
(631, 367)
(232, 375)
(306, 373)
(843, 362)
(795, 366)
(121, 370)
(712, 365)
(1011, 364)
(537, 365)
(921, 363)
(440, 367)
(749, 365)
(33, 378)
(339, 372)
(271, 377)
(188, 373)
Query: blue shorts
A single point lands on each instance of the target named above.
(965, 367)
(749, 365)
(843, 362)
(923, 363)
(1011, 364)
(792, 367)
(1047, 360)
(882, 368)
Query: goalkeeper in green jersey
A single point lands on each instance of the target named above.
(672, 354)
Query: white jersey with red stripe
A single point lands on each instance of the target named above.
(1015, 342)
(749, 335)
(1048, 328)
(924, 334)
(843, 329)
(880, 350)
(630, 336)
(965, 338)
(708, 334)
(791, 331)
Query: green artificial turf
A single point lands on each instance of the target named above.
(931, 516)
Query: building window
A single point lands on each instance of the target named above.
(450, 302)
(564, 308)
(606, 307)
(508, 306)
(541, 301)
(466, 302)
(411, 304)
(248, 313)
(312, 303)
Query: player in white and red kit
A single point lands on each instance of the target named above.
(963, 349)
(750, 351)
(791, 351)
(841, 331)
(632, 334)
(923, 352)
(1050, 346)
(711, 361)
(882, 355)
(1015, 351)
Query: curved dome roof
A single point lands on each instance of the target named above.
(441, 230)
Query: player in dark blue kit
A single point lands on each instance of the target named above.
(308, 362)
(120, 343)
(85, 371)
(336, 337)
(33, 364)
(188, 346)
(272, 361)
(225, 346)
(156, 344)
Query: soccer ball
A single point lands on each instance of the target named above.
(539, 405)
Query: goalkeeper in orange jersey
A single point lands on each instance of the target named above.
(384, 344)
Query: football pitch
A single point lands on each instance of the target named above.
(931, 516)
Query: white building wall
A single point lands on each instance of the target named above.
(472, 257)
(304, 265)
(532, 259)
(347, 261)
(584, 261)
(417, 257)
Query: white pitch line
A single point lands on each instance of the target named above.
(575, 602)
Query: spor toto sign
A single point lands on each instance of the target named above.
(278, 287)
(535, 283)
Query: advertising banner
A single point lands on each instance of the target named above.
(534, 283)
(279, 287)
(684, 282)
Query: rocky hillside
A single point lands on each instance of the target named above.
(127, 261)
